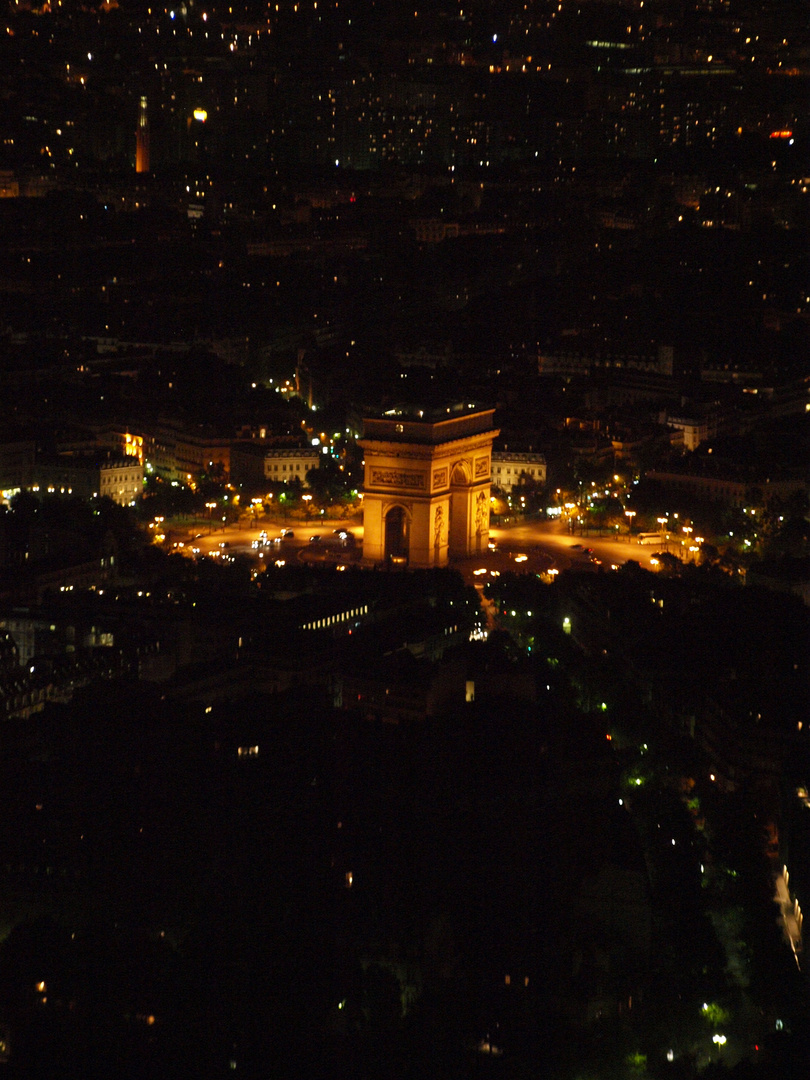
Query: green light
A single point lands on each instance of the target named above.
(715, 1014)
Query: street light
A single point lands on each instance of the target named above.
(663, 522)
(210, 507)
(629, 514)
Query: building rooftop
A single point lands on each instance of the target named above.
(410, 423)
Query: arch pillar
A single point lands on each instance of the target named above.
(470, 520)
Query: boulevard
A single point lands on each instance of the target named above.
(521, 546)
(550, 542)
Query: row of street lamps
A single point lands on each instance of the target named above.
(664, 524)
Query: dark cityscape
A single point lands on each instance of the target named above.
(404, 540)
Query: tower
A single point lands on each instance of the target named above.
(427, 485)
(142, 140)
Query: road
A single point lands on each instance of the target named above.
(552, 541)
(238, 540)
(545, 545)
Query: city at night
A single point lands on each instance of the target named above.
(404, 540)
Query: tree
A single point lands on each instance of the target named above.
(327, 483)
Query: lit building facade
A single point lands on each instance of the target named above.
(85, 476)
(175, 452)
(253, 463)
(509, 470)
(121, 480)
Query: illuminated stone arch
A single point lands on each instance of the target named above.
(433, 474)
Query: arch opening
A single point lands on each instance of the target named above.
(397, 529)
(461, 475)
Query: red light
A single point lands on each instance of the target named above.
(782, 134)
(609, 738)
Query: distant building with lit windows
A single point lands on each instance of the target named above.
(9, 185)
(121, 480)
(110, 439)
(727, 489)
(90, 477)
(175, 452)
(697, 428)
(86, 476)
(254, 462)
(18, 456)
(589, 362)
(510, 470)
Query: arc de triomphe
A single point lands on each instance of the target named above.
(427, 484)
